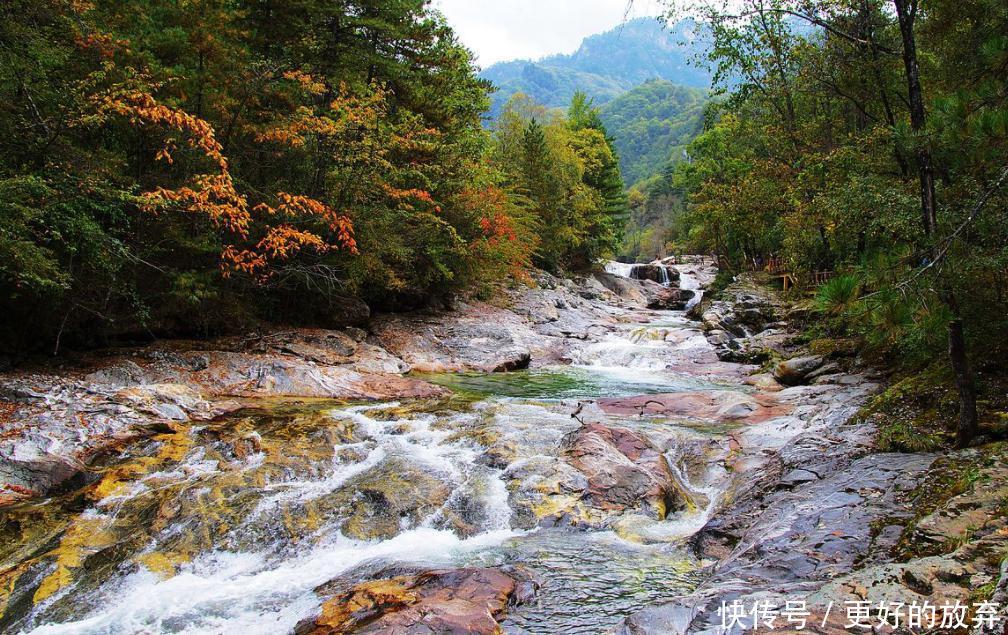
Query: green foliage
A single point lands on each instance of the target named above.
(173, 168)
(652, 124)
(913, 413)
(838, 295)
(811, 159)
(629, 72)
(564, 169)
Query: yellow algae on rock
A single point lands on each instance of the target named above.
(164, 564)
(8, 580)
(85, 536)
(116, 481)
(342, 612)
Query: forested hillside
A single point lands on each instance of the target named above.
(651, 91)
(606, 65)
(652, 124)
(873, 146)
(169, 171)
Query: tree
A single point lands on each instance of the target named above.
(565, 169)
(177, 168)
(828, 154)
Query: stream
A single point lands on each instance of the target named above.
(229, 526)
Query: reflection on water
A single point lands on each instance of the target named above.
(566, 382)
(591, 581)
(581, 381)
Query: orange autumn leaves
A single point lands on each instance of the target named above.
(371, 162)
(502, 238)
(214, 195)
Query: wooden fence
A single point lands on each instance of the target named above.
(779, 269)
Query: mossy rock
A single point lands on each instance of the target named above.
(377, 503)
(958, 495)
(916, 414)
(833, 348)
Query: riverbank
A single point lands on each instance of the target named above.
(826, 514)
(637, 469)
(59, 417)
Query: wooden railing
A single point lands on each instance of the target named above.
(778, 268)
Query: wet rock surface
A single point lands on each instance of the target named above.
(713, 406)
(639, 472)
(381, 501)
(747, 324)
(816, 514)
(671, 299)
(449, 601)
(623, 470)
(55, 423)
(654, 272)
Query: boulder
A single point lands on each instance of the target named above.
(795, 371)
(697, 311)
(671, 299)
(546, 491)
(655, 273)
(241, 374)
(347, 311)
(451, 601)
(624, 470)
(625, 288)
(480, 337)
(716, 318)
(380, 501)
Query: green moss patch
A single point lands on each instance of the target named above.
(915, 414)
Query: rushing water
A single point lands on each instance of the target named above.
(230, 526)
(635, 270)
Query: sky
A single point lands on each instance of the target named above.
(499, 30)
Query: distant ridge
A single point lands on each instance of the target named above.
(605, 65)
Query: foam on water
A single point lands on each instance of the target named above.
(257, 577)
(302, 490)
(252, 593)
(619, 268)
(689, 282)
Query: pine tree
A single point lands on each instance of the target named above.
(608, 181)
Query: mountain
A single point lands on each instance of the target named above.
(651, 124)
(605, 65)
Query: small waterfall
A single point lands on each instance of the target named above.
(641, 271)
(663, 275)
(619, 268)
(688, 281)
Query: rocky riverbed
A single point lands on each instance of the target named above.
(562, 460)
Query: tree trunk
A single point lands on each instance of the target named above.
(890, 116)
(968, 423)
(906, 13)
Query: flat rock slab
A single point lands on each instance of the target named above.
(469, 600)
(715, 405)
(56, 423)
(798, 541)
(479, 337)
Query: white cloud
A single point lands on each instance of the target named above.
(513, 29)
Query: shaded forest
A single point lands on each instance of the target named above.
(868, 141)
(194, 168)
